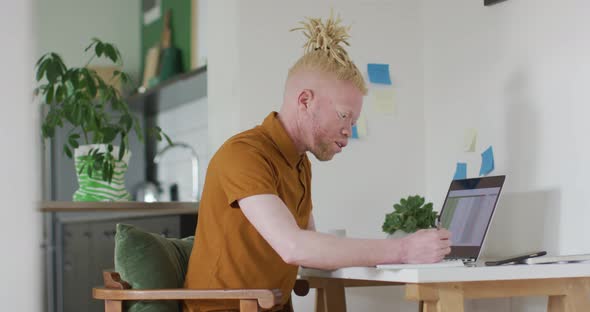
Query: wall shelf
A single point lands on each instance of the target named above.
(177, 91)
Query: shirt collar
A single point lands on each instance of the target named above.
(273, 126)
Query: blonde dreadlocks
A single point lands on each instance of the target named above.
(324, 52)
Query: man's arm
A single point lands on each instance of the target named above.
(273, 220)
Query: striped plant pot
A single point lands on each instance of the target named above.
(94, 188)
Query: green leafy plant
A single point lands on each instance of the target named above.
(410, 215)
(97, 112)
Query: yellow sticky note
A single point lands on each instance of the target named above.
(383, 100)
(470, 140)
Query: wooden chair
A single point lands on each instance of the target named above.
(116, 291)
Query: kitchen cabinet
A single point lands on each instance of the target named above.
(83, 241)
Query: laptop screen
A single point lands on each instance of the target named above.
(467, 213)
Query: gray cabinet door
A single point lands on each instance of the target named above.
(89, 249)
(167, 226)
(76, 249)
(101, 257)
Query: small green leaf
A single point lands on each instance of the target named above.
(109, 134)
(73, 143)
(48, 131)
(60, 66)
(67, 151)
(69, 88)
(168, 139)
(81, 169)
(90, 83)
(111, 52)
(49, 95)
(124, 78)
(111, 171)
(52, 72)
(41, 69)
(59, 94)
(105, 171)
(122, 149)
(126, 122)
(43, 57)
(98, 49)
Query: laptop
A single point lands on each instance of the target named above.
(467, 212)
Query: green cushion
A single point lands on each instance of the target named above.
(149, 261)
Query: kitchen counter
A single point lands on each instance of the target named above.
(129, 206)
(67, 211)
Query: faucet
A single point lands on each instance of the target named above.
(194, 161)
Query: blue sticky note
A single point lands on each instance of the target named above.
(487, 161)
(355, 132)
(379, 73)
(461, 171)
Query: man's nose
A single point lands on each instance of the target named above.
(347, 132)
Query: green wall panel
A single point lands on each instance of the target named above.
(181, 30)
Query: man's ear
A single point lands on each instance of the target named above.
(305, 98)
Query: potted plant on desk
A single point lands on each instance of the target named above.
(409, 215)
(98, 118)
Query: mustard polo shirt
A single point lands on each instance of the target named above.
(228, 252)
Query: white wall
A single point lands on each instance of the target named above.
(67, 27)
(250, 52)
(519, 73)
(20, 187)
(222, 71)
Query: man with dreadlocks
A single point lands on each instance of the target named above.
(255, 224)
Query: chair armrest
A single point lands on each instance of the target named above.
(267, 298)
(119, 290)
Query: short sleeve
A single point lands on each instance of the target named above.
(244, 171)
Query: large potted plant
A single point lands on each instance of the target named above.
(97, 117)
(409, 215)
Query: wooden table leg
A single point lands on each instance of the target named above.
(576, 298)
(331, 298)
(319, 300)
(450, 298)
(429, 306)
(443, 297)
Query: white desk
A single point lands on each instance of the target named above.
(444, 289)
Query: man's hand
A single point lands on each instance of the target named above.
(426, 246)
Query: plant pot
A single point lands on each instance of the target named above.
(398, 234)
(95, 188)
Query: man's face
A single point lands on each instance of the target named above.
(334, 111)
